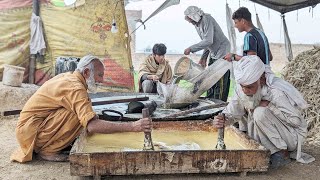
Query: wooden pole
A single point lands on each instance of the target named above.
(35, 7)
(148, 144)
(32, 68)
(198, 109)
(32, 62)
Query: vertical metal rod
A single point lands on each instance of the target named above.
(148, 144)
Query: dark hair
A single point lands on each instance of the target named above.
(242, 13)
(159, 49)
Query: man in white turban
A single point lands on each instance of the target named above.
(214, 43)
(272, 109)
(60, 109)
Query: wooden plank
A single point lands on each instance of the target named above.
(168, 162)
(95, 102)
(13, 112)
(109, 100)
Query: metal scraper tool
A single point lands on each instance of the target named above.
(220, 144)
(148, 145)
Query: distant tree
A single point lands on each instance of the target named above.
(148, 49)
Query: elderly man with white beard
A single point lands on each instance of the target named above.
(60, 109)
(272, 109)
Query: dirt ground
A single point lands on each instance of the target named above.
(39, 169)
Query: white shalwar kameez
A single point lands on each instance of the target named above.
(279, 126)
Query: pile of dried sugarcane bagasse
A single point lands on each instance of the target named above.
(304, 73)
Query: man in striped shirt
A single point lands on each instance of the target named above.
(255, 41)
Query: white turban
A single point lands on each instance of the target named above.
(248, 70)
(84, 61)
(194, 13)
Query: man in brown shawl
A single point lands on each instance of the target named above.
(155, 68)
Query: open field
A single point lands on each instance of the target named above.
(277, 64)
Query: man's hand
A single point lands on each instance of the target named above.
(203, 63)
(187, 51)
(228, 57)
(218, 121)
(143, 124)
(264, 103)
(153, 77)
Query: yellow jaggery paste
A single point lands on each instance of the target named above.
(162, 140)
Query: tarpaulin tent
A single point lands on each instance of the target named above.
(284, 6)
(73, 31)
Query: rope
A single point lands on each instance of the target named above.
(255, 9)
(281, 24)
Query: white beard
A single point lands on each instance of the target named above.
(92, 85)
(251, 102)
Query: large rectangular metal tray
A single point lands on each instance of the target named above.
(252, 158)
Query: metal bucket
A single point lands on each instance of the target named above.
(12, 75)
(187, 69)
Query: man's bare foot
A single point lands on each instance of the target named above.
(55, 157)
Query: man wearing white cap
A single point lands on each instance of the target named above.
(272, 108)
(214, 43)
(60, 109)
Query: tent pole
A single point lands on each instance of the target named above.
(35, 7)
(287, 39)
(32, 62)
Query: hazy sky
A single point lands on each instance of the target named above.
(170, 28)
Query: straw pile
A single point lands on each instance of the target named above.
(304, 74)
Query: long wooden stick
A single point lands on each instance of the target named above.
(32, 62)
(95, 102)
(101, 101)
(148, 144)
(220, 143)
(198, 109)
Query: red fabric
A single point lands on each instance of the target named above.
(115, 75)
(41, 77)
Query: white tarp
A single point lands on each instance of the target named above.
(259, 22)
(287, 39)
(231, 30)
(196, 86)
(163, 6)
(37, 43)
